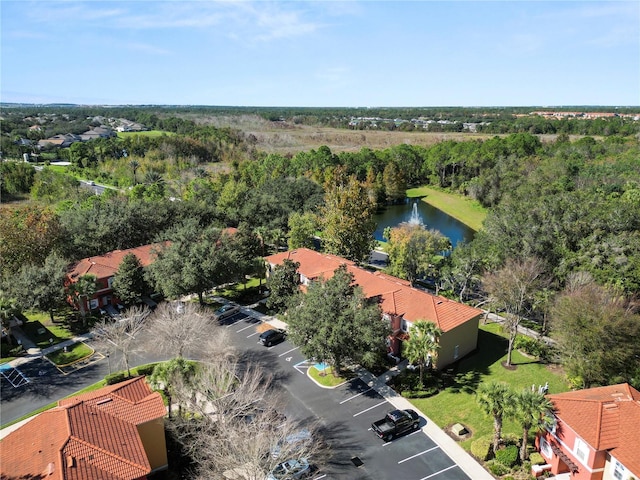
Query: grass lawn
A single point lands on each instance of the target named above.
(327, 378)
(76, 352)
(468, 211)
(457, 403)
(149, 133)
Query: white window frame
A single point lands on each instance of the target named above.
(94, 303)
(545, 448)
(618, 470)
(581, 450)
(110, 282)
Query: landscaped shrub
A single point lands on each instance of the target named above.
(536, 459)
(407, 384)
(480, 448)
(507, 456)
(497, 468)
(115, 378)
(532, 346)
(146, 369)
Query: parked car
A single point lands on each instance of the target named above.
(291, 469)
(272, 336)
(395, 423)
(226, 311)
(291, 443)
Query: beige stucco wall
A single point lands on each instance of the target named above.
(465, 337)
(155, 445)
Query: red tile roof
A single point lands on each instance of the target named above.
(105, 266)
(87, 437)
(607, 418)
(397, 295)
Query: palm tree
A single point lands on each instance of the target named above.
(152, 177)
(134, 164)
(81, 291)
(422, 346)
(533, 411)
(495, 398)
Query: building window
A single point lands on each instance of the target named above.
(406, 326)
(581, 450)
(545, 448)
(94, 303)
(110, 282)
(456, 352)
(618, 471)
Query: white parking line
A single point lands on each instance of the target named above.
(418, 454)
(438, 473)
(243, 329)
(370, 408)
(351, 398)
(282, 354)
(254, 333)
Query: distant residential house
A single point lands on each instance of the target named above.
(97, 132)
(60, 140)
(114, 433)
(104, 267)
(401, 304)
(595, 435)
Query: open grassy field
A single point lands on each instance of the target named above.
(457, 402)
(468, 211)
(150, 133)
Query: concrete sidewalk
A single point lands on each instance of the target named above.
(35, 353)
(460, 456)
(464, 460)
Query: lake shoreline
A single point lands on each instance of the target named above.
(463, 209)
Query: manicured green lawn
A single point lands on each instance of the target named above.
(468, 211)
(327, 378)
(457, 403)
(75, 352)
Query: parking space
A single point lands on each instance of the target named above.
(348, 411)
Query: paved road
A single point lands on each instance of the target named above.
(47, 384)
(345, 413)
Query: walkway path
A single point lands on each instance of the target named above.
(460, 456)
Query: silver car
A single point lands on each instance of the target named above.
(290, 470)
(226, 311)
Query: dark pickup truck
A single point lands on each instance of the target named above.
(395, 423)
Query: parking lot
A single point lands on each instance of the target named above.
(346, 413)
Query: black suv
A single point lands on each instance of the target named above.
(274, 335)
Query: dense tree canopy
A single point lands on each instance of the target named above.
(347, 220)
(336, 324)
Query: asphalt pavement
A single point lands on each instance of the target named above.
(346, 412)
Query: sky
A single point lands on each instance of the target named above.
(321, 53)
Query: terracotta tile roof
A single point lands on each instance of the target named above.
(105, 266)
(397, 296)
(87, 437)
(606, 418)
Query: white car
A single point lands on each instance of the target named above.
(290, 470)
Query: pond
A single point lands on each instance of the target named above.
(415, 210)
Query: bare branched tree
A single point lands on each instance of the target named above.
(512, 290)
(185, 329)
(232, 428)
(123, 335)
